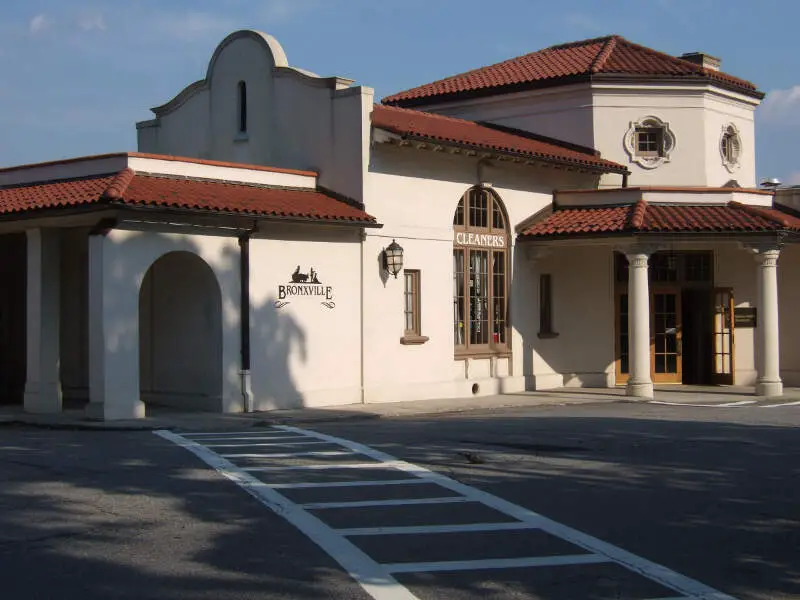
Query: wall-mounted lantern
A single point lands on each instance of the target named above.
(393, 258)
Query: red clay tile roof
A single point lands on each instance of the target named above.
(567, 63)
(130, 188)
(643, 217)
(415, 124)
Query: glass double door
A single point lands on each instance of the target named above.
(666, 335)
(666, 343)
(705, 332)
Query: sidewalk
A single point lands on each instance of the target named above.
(161, 418)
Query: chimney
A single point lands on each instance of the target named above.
(702, 59)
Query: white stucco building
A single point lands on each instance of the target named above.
(585, 215)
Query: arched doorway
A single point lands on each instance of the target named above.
(180, 334)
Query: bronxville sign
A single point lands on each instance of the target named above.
(305, 284)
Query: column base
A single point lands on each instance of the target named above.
(639, 390)
(42, 398)
(769, 388)
(102, 411)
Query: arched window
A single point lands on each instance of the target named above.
(480, 274)
(242, 107)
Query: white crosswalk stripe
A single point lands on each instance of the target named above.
(375, 577)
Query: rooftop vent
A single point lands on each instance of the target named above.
(704, 60)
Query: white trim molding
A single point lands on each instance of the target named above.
(667, 142)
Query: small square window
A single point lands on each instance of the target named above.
(649, 141)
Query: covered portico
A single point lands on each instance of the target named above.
(672, 272)
(127, 280)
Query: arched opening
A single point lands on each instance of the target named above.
(180, 334)
(242, 88)
(480, 274)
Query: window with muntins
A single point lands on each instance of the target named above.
(480, 274)
(649, 141)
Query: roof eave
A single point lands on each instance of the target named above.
(597, 169)
(486, 92)
(177, 210)
(568, 80)
(694, 235)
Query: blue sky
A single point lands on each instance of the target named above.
(77, 75)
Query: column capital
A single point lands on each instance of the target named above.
(766, 255)
(638, 249)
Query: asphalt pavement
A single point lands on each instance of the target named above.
(707, 493)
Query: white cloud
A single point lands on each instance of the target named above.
(194, 26)
(782, 106)
(39, 23)
(92, 21)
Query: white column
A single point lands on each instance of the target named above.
(768, 382)
(113, 338)
(639, 382)
(43, 381)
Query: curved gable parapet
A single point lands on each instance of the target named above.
(279, 62)
(307, 77)
(186, 93)
(269, 43)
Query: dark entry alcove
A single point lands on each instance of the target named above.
(13, 275)
(697, 336)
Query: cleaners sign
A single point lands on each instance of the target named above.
(484, 240)
(305, 284)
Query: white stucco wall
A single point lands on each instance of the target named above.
(564, 113)
(599, 115)
(616, 107)
(736, 268)
(74, 321)
(295, 119)
(415, 194)
(304, 353)
(721, 111)
(118, 263)
(583, 317)
(789, 300)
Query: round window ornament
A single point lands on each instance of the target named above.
(730, 147)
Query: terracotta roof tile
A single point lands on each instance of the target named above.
(127, 187)
(429, 126)
(643, 217)
(611, 55)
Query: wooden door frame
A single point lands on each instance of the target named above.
(723, 378)
(622, 378)
(676, 377)
(619, 376)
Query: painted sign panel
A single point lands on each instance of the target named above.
(745, 316)
(305, 284)
(483, 240)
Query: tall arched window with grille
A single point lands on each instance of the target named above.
(480, 274)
